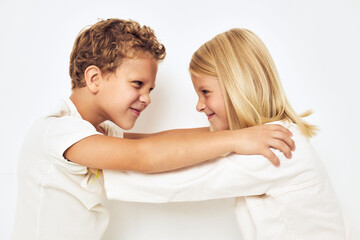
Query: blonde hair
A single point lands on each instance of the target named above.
(248, 78)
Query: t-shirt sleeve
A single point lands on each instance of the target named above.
(63, 132)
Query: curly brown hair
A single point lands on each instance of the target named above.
(106, 43)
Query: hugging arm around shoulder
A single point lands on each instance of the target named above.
(230, 176)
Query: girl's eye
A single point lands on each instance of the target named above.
(205, 91)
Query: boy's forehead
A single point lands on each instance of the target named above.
(140, 68)
(139, 61)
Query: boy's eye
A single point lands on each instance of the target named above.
(138, 83)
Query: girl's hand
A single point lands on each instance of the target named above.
(259, 139)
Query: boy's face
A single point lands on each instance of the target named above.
(211, 101)
(124, 94)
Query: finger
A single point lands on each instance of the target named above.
(272, 157)
(278, 127)
(282, 146)
(285, 138)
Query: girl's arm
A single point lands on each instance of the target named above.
(172, 151)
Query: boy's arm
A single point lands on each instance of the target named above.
(172, 151)
(173, 131)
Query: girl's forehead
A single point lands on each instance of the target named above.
(204, 81)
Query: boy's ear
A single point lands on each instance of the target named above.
(92, 77)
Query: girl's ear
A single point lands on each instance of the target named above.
(92, 77)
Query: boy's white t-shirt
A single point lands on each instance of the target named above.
(57, 199)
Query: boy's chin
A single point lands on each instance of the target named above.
(126, 126)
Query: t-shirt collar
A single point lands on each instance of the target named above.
(73, 110)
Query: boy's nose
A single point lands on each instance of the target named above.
(145, 98)
(200, 106)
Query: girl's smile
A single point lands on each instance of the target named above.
(210, 115)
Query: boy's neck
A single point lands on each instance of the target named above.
(85, 105)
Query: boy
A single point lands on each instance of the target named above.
(113, 67)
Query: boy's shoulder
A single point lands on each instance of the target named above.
(63, 116)
(65, 108)
(42, 123)
(62, 123)
(66, 120)
(51, 135)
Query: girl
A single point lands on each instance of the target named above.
(238, 87)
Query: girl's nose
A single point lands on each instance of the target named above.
(200, 106)
(145, 98)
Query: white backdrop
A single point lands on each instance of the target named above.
(315, 45)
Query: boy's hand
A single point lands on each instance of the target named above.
(258, 140)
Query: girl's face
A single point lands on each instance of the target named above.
(211, 101)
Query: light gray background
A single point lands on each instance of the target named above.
(315, 45)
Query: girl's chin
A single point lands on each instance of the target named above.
(215, 127)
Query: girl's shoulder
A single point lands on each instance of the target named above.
(294, 128)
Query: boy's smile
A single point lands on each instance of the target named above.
(211, 101)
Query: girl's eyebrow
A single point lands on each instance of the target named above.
(199, 88)
(202, 87)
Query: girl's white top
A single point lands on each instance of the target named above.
(293, 201)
